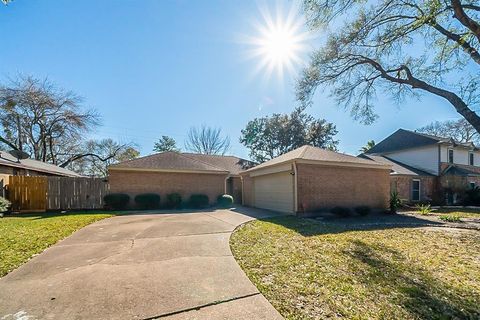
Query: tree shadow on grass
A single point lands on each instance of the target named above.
(312, 227)
(417, 291)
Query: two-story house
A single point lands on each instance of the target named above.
(426, 167)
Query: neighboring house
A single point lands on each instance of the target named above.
(9, 165)
(183, 173)
(311, 179)
(426, 167)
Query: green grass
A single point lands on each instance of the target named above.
(313, 270)
(460, 212)
(452, 217)
(23, 235)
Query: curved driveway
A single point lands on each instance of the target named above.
(148, 266)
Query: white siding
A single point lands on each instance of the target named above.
(424, 158)
(274, 192)
(460, 155)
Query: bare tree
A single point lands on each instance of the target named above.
(50, 124)
(40, 119)
(207, 140)
(460, 130)
(399, 47)
(97, 155)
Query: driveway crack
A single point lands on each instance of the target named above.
(212, 216)
(201, 306)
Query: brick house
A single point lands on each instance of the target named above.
(310, 179)
(426, 167)
(183, 173)
(303, 180)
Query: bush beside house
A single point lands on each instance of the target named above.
(116, 201)
(198, 201)
(147, 201)
(225, 200)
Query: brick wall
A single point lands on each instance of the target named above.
(163, 183)
(323, 187)
(403, 185)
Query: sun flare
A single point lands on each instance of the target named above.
(280, 42)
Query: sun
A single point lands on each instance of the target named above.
(279, 46)
(279, 43)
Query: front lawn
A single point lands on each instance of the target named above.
(23, 235)
(460, 212)
(313, 270)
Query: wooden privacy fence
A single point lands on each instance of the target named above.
(56, 193)
(27, 193)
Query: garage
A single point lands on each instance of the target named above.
(274, 192)
(310, 179)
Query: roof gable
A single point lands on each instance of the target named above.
(309, 153)
(403, 139)
(398, 168)
(406, 139)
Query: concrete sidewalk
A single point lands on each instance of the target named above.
(167, 266)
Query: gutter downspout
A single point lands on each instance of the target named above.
(295, 188)
(243, 191)
(225, 185)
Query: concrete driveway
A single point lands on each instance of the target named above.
(167, 266)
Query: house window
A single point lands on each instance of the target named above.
(450, 155)
(471, 159)
(472, 185)
(415, 190)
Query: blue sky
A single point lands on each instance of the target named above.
(155, 68)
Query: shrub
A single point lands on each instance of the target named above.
(116, 200)
(340, 211)
(450, 218)
(395, 202)
(199, 201)
(147, 201)
(174, 201)
(424, 209)
(471, 197)
(363, 210)
(4, 205)
(225, 200)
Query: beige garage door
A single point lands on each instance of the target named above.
(274, 192)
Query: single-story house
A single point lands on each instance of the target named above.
(303, 180)
(309, 179)
(11, 166)
(183, 173)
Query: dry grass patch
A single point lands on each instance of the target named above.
(312, 270)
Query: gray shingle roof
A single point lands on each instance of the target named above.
(405, 139)
(8, 160)
(316, 154)
(187, 162)
(398, 168)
